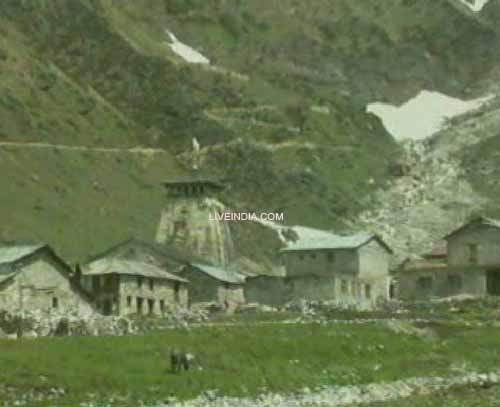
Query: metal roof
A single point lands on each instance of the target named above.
(112, 265)
(12, 253)
(481, 220)
(327, 240)
(220, 273)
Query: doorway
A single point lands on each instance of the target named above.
(493, 282)
(107, 307)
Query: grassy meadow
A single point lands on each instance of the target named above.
(243, 360)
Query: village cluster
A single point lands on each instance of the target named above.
(192, 260)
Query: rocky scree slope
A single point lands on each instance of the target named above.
(440, 183)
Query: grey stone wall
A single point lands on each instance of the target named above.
(373, 260)
(268, 290)
(426, 284)
(357, 277)
(311, 287)
(203, 288)
(486, 238)
(319, 262)
(163, 292)
(41, 284)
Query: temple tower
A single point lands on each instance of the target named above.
(188, 220)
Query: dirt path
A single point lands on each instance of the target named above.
(40, 145)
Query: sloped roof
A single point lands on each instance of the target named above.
(480, 220)
(118, 266)
(6, 276)
(220, 274)
(169, 254)
(332, 241)
(439, 249)
(245, 266)
(11, 253)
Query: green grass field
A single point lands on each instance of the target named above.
(236, 360)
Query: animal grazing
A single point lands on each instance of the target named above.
(180, 360)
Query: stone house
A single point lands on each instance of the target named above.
(268, 290)
(124, 287)
(475, 246)
(471, 265)
(33, 277)
(208, 283)
(353, 270)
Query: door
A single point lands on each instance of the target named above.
(493, 282)
(107, 307)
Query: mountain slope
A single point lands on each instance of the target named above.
(279, 112)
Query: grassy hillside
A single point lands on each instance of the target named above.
(81, 202)
(280, 112)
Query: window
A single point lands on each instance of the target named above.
(151, 284)
(330, 257)
(55, 302)
(368, 291)
(151, 306)
(177, 287)
(472, 253)
(129, 301)
(454, 282)
(139, 282)
(301, 256)
(313, 255)
(108, 281)
(95, 283)
(162, 305)
(424, 283)
(139, 304)
(354, 288)
(344, 288)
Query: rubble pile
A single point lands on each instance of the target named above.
(255, 308)
(71, 323)
(314, 308)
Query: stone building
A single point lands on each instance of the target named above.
(472, 265)
(214, 284)
(352, 270)
(268, 290)
(33, 277)
(123, 287)
(188, 221)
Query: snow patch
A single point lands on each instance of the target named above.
(475, 5)
(185, 51)
(422, 116)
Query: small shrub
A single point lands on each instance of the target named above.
(3, 55)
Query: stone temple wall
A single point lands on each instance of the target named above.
(189, 224)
